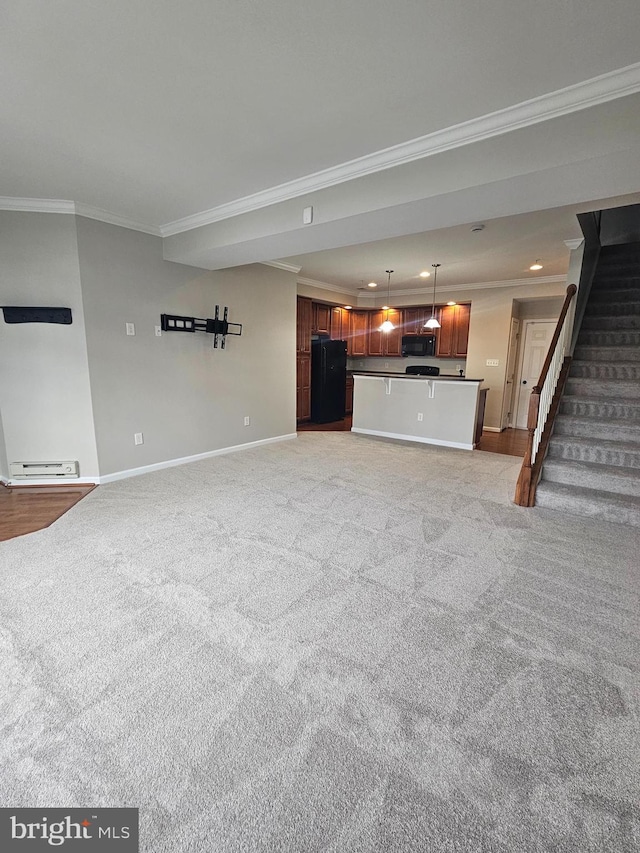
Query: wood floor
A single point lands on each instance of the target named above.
(511, 442)
(24, 509)
(28, 508)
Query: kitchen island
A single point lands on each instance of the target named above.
(443, 410)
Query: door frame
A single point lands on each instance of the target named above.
(524, 326)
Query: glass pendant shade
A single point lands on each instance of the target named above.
(431, 323)
(387, 326)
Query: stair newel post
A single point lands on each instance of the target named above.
(523, 486)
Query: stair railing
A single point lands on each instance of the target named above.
(544, 402)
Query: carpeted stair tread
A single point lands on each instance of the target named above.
(592, 353)
(616, 388)
(599, 323)
(616, 370)
(608, 506)
(578, 449)
(618, 308)
(608, 478)
(601, 428)
(610, 337)
(600, 407)
(601, 296)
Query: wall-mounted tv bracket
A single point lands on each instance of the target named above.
(217, 327)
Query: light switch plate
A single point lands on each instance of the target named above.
(493, 362)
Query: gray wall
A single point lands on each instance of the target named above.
(44, 377)
(184, 396)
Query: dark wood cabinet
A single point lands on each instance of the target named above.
(414, 320)
(303, 387)
(358, 333)
(303, 328)
(320, 318)
(385, 343)
(339, 324)
(348, 402)
(453, 334)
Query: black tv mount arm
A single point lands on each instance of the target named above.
(217, 327)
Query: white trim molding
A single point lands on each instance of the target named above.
(185, 460)
(420, 439)
(572, 245)
(57, 205)
(580, 96)
(280, 265)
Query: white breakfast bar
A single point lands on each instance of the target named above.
(444, 410)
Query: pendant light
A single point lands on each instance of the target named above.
(432, 323)
(388, 326)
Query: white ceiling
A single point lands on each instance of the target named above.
(150, 112)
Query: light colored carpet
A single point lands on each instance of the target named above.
(331, 644)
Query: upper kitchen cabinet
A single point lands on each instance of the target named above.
(339, 324)
(358, 333)
(385, 343)
(453, 334)
(320, 318)
(414, 320)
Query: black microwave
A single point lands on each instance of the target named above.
(418, 345)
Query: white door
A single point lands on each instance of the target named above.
(537, 337)
(508, 397)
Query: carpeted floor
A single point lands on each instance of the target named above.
(335, 643)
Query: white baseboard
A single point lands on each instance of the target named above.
(184, 460)
(419, 439)
(51, 481)
(491, 429)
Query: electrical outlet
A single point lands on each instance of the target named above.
(493, 362)
(138, 438)
(386, 365)
(420, 416)
(158, 332)
(131, 329)
(247, 421)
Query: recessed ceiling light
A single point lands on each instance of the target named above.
(424, 274)
(372, 284)
(537, 265)
(452, 303)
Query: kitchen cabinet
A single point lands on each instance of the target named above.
(320, 318)
(358, 333)
(339, 324)
(453, 334)
(303, 387)
(414, 320)
(385, 343)
(303, 326)
(348, 401)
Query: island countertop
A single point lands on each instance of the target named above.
(396, 375)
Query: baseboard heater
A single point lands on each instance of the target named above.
(43, 470)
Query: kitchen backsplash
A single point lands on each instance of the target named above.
(398, 365)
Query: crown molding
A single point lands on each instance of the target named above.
(100, 215)
(485, 285)
(324, 285)
(37, 205)
(589, 93)
(57, 205)
(282, 266)
(574, 244)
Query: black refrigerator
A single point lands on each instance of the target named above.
(328, 380)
